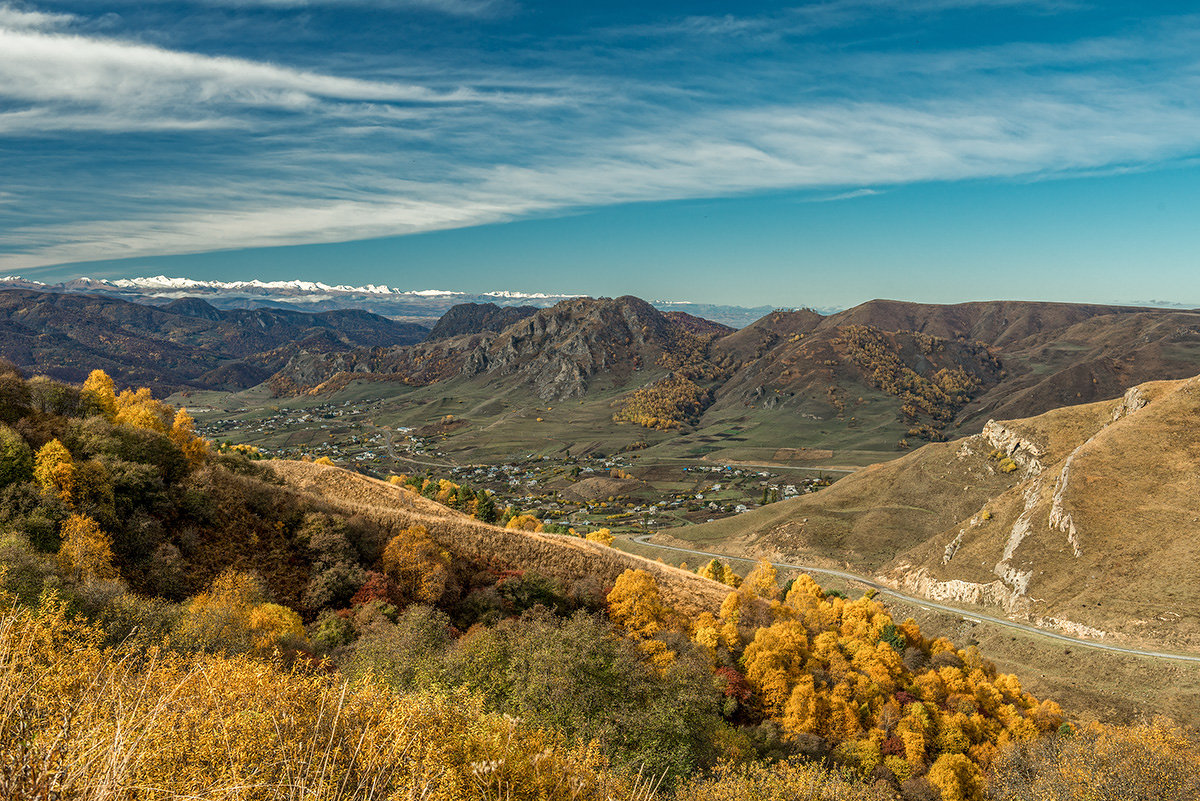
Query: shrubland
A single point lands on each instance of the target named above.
(180, 622)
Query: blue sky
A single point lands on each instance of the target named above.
(821, 153)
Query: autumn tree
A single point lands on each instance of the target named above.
(272, 626)
(775, 661)
(86, 551)
(713, 571)
(957, 777)
(636, 604)
(218, 619)
(763, 580)
(183, 434)
(602, 536)
(54, 470)
(139, 409)
(16, 458)
(524, 523)
(417, 567)
(99, 394)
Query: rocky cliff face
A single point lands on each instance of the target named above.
(558, 352)
(1101, 524)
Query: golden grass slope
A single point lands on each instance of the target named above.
(553, 555)
(1103, 530)
(1086, 518)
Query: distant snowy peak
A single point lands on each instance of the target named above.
(419, 305)
(162, 282)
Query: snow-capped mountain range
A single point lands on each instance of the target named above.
(418, 305)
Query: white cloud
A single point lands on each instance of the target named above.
(55, 68)
(458, 8)
(19, 20)
(851, 195)
(455, 8)
(430, 155)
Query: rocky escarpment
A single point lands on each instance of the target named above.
(557, 352)
(1098, 530)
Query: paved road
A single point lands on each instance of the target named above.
(927, 604)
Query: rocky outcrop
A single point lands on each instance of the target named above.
(1025, 452)
(558, 351)
(1133, 399)
(996, 593)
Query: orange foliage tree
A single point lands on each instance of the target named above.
(418, 568)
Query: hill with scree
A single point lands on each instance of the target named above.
(1085, 518)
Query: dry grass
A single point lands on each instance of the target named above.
(81, 722)
(554, 555)
(1132, 493)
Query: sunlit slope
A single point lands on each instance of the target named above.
(553, 555)
(1086, 518)
(1105, 535)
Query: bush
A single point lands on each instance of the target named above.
(576, 676)
(99, 723)
(405, 654)
(784, 781)
(334, 586)
(16, 458)
(1152, 761)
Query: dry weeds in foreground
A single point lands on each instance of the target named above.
(81, 722)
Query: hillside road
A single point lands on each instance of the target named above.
(924, 603)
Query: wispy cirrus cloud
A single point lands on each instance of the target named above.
(59, 68)
(17, 19)
(482, 9)
(270, 154)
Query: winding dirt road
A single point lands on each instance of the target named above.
(927, 604)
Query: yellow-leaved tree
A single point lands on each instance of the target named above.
(525, 523)
(54, 470)
(139, 409)
(775, 662)
(714, 570)
(218, 619)
(100, 394)
(183, 434)
(417, 567)
(636, 604)
(957, 777)
(602, 536)
(763, 580)
(86, 551)
(272, 626)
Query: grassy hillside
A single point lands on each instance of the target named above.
(1085, 518)
(180, 621)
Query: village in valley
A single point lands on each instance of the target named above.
(624, 492)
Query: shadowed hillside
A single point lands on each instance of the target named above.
(187, 343)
